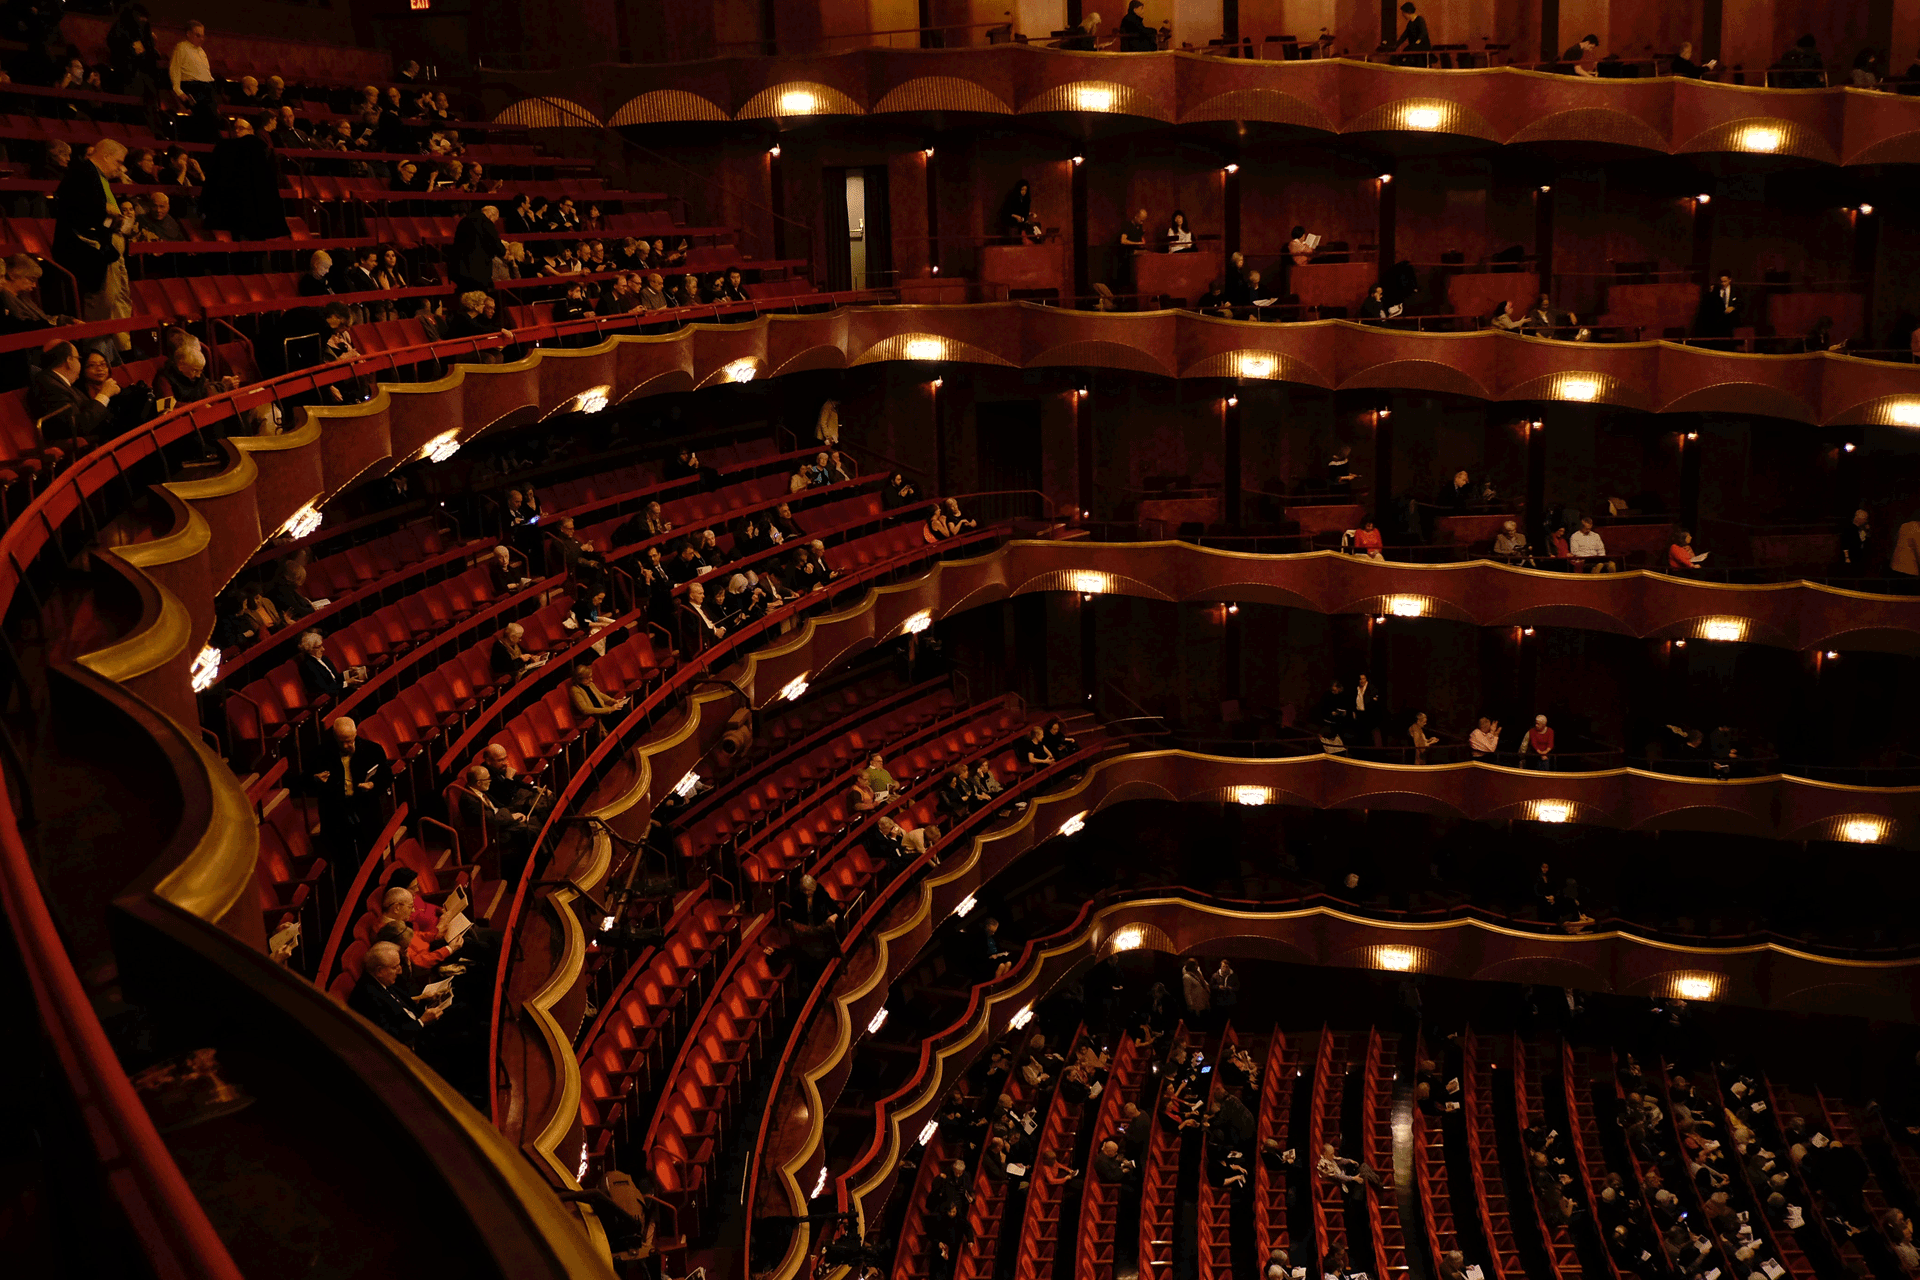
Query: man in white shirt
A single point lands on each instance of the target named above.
(1589, 550)
(1485, 739)
(192, 80)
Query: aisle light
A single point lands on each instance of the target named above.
(205, 670)
(877, 1021)
(927, 1131)
(794, 689)
(1075, 825)
(1019, 1020)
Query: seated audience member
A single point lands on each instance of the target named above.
(232, 628)
(653, 295)
(1458, 493)
(885, 786)
(1510, 545)
(319, 676)
(1681, 556)
(1421, 739)
(183, 379)
(1214, 302)
(1545, 317)
(695, 629)
(22, 277)
(501, 573)
(1017, 219)
(899, 491)
(1802, 66)
(288, 591)
(1485, 738)
(1855, 535)
(956, 793)
(946, 522)
(380, 999)
(1503, 317)
(509, 828)
(510, 659)
(61, 406)
(987, 785)
(1368, 542)
(1584, 56)
(1684, 65)
(261, 611)
(592, 702)
(157, 222)
(1031, 751)
(1299, 252)
(1058, 743)
(509, 788)
(1589, 550)
(1375, 305)
(318, 278)
(1537, 751)
(1259, 296)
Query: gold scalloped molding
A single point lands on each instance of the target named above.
(1454, 118)
(548, 112)
(942, 93)
(1743, 397)
(827, 101)
(1095, 353)
(666, 106)
(1423, 375)
(1270, 106)
(1795, 140)
(1234, 364)
(1121, 100)
(1593, 124)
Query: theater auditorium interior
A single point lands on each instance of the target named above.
(960, 640)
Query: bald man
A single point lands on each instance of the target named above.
(350, 777)
(90, 233)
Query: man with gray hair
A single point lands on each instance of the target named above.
(380, 998)
(349, 776)
(91, 227)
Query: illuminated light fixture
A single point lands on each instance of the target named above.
(928, 153)
(593, 399)
(1075, 825)
(820, 1186)
(1526, 631)
(302, 522)
(1904, 413)
(1863, 830)
(1847, 447)
(1089, 583)
(1233, 168)
(1551, 811)
(1723, 629)
(741, 370)
(1093, 98)
(967, 904)
(685, 786)
(1832, 654)
(1256, 366)
(1760, 138)
(1129, 938)
(442, 446)
(1579, 389)
(1379, 617)
(798, 102)
(1703, 198)
(1233, 402)
(205, 669)
(925, 348)
(1545, 189)
(1866, 209)
(918, 622)
(607, 923)
(927, 1131)
(1079, 159)
(1536, 424)
(794, 689)
(1252, 795)
(1386, 178)
(1406, 606)
(774, 151)
(1233, 608)
(937, 383)
(1019, 1020)
(936, 271)
(877, 1021)
(1383, 413)
(1423, 118)
(1693, 435)
(1696, 986)
(1679, 644)
(1398, 959)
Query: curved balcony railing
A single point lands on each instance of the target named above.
(218, 521)
(1330, 96)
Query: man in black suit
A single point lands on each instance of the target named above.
(509, 788)
(90, 231)
(1719, 309)
(694, 629)
(508, 829)
(1414, 37)
(64, 410)
(318, 674)
(476, 243)
(350, 777)
(379, 999)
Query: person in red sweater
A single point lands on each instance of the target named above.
(1680, 552)
(1539, 752)
(1367, 541)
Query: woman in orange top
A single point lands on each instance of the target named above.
(1680, 551)
(1367, 539)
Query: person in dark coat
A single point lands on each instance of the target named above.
(242, 191)
(90, 226)
(476, 243)
(350, 777)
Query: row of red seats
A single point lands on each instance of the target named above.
(719, 508)
(987, 1209)
(232, 55)
(1376, 1138)
(711, 1078)
(637, 1037)
(1430, 1181)
(264, 712)
(364, 566)
(289, 874)
(840, 754)
(1562, 1257)
(1483, 1158)
(1325, 1198)
(1274, 1119)
(1214, 1248)
(1097, 1242)
(1160, 1184)
(630, 484)
(1039, 1239)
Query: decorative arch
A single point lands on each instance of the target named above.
(903, 346)
(1100, 354)
(1754, 398)
(1081, 96)
(1593, 124)
(670, 382)
(1881, 411)
(546, 112)
(1582, 386)
(820, 357)
(827, 101)
(1089, 582)
(1708, 817)
(1902, 148)
(1249, 362)
(1744, 135)
(1400, 801)
(942, 93)
(1418, 375)
(1424, 115)
(1548, 970)
(666, 106)
(1269, 106)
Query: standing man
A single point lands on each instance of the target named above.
(90, 233)
(350, 776)
(193, 81)
(1413, 36)
(476, 243)
(1720, 309)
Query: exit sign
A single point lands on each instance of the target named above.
(420, 4)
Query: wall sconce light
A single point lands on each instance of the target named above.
(1129, 938)
(1761, 138)
(1863, 830)
(925, 348)
(937, 383)
(928, 153)
(1551, 811)
(798, 102)
(741, 370)
(965, 905)
(1703, 198)
(1233, 608)
(205, 669)
(443, 446)
(1385, 178)
(1406, 606)
(1232, 168)
(774, 151)
(1833, 655)
(1383, 414)
(685, 786)
(1696, 986)
(1679, 644)
(1693, 435)
(1079, 159)
(1075, 825)
(1581, 389)
(1544, 189)
(1423, 117)
(877, 1021)
(1090, 582)
(1723, 629)
(1233, 402)
(1526, 631)
(919, 622)
(1866, 210)
(1397, 959)
(1847, 447)
(1904, 413)
(1252, 795)
(1091, 98)
(927, 1131)
(1019, 1020)
(794, 689)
